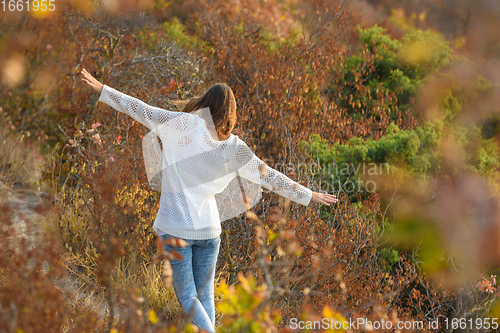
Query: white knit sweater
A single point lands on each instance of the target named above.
(196, 167)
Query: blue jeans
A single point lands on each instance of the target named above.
(193, 279)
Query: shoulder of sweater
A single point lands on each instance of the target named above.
(235, 141)
(236, 144)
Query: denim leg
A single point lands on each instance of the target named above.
(205, 254)
(185, 288)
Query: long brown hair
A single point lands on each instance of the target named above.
(220, 99)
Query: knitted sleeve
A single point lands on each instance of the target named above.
(258, 172)
(149, 116)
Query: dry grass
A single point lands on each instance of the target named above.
(133, 278)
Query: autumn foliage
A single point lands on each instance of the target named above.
(312, 88)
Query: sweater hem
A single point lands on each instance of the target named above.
(190, 234)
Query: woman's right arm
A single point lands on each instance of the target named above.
(279, 183)
(257, 171)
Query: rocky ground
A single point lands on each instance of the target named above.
(27, 207)
(30, 209)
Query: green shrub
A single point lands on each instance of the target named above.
(385, 74)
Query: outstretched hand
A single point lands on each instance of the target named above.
(324, 198)
(91, 81)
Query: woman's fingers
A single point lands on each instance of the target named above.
(91, 81)
(328, 198)
(88, 82)
(89, 78)
(86, 76)
(324, 198)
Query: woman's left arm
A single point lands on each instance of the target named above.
(148, 115)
